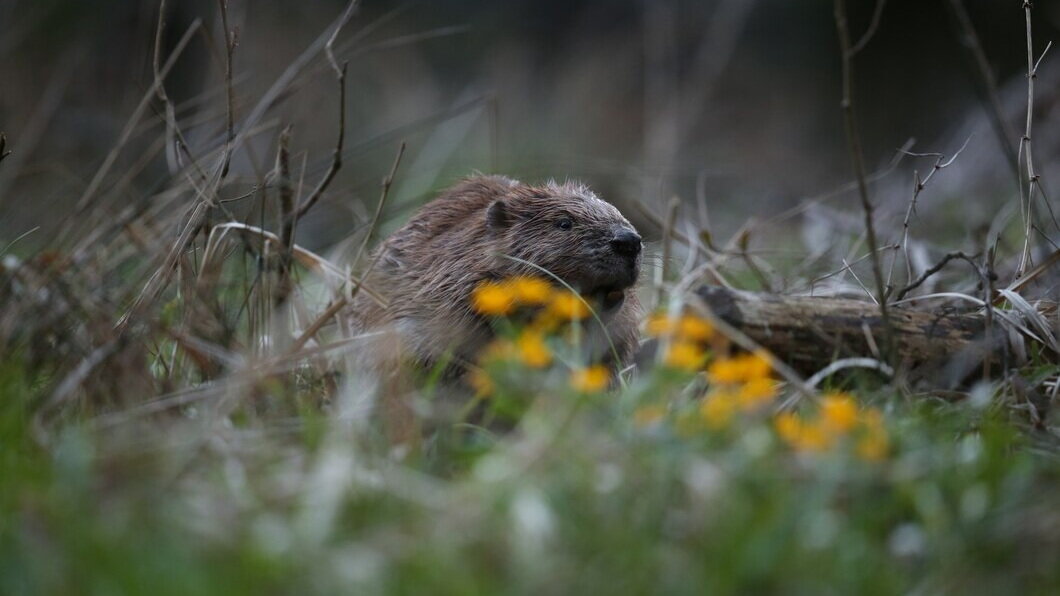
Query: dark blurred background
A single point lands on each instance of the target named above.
(736, 101)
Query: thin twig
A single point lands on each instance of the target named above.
(861, 285)
(1027, 207)
(988, 293)
(918, 186)
(743, 241)
(844, 363)
(286, 192)
(382, 201)
(847, 265)
(336, 155)
(172, 157)
(160, 279)
(808, 202)
(230, 126)
(335, 307)
(854, 145)
(871, 31)
(287, 217)
(936, 268)
(667, 248)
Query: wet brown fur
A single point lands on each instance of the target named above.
(429, 267)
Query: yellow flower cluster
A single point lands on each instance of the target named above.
(687, 326)
(532, 350)
(502, 298)
(740, 383)
(550, 307)
(590, 380)
(742, 368)
(838, 418)
(687, 335)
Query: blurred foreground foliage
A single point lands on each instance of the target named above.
(636, 490)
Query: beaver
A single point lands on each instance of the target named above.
(493, 227)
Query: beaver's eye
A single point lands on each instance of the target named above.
(564, 223)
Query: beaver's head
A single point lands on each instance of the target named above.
(567, 230)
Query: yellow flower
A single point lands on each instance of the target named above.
(725, 370)
(481, 382)
(717, 409)
(491, 298)
(799, 435)
(648, 415)
(684, 355)
(788, 426)
(756, 392)
(813, 438)
(658, 325)
(839, 413)
(739, 369)
(694, 328)
(532, 350)
(591, 379)
(687, 327)
(529, 290)
(568, 306)
(757, 365)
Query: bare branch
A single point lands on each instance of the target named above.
(854, 145)
(336, 306)
(230, 46)
(336, 154)
(938, 267)
(382, 201)
(918, 186)
(871, 31)
(283, 172)
(1033, 183)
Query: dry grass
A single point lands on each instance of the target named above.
(181, 412)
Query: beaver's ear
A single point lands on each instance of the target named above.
(497, 216)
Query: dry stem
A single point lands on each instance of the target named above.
(230, 46)
(336, 155)
(1027, 206)
(918, 186)
(938, 267)
(339, 303)
(854, 144)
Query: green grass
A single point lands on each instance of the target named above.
(579, 499)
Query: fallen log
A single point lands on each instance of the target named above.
(809, 332)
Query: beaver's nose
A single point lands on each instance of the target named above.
(626, 242)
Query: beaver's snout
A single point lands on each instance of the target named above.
(626, 242)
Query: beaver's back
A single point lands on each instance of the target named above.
(427, 268)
